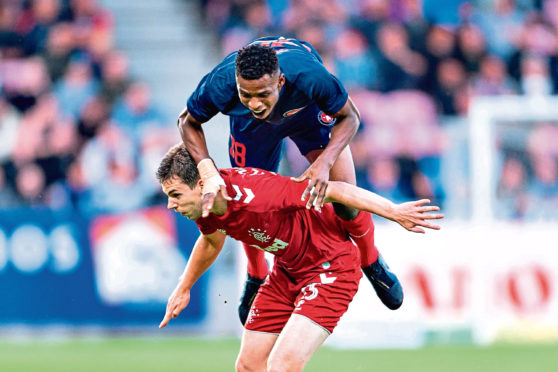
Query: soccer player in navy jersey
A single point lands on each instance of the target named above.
(316, 269)
(274, 88)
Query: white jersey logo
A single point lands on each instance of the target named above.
(239, 194)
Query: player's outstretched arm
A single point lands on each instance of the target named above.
(193, 137)
(413, 215)
(205, 251)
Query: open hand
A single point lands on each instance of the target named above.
(210, 188)
(315, 192)
(414, 215)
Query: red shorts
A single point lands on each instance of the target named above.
(322, 298)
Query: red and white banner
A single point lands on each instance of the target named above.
(462, 283)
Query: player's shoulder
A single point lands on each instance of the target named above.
(222, 76)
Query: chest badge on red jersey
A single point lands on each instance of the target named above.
(325, 119)
(259, 235)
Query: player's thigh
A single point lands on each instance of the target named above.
(298, 341)
(342, 170)
(254, 350)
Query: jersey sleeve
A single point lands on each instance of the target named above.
(215, 92)
(262, 191)
(312, 78)
(206, 226)
(200, 104)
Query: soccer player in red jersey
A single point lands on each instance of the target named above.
(316, 270)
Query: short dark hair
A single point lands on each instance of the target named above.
(254, 61)
(178, 162)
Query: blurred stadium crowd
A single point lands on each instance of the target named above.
(77, 131)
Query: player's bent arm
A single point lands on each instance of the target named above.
(205, 251)
(194, 139)
(411, 215)
(348, 120)
(193, 136)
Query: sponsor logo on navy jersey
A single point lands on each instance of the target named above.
(292, 112)
(325, 119)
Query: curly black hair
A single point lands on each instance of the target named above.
(254, 61)
(178, 162)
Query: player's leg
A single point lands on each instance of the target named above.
(257, 271)
(311, 135)
(270, 312)
(254, 351)
(253, 145)
(360, 227)
(319, 304)
(298, 341)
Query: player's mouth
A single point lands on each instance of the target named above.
(259, 114)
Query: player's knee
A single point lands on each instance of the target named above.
(344, 212)
(244, 364)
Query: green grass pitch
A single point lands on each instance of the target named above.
(205, 355)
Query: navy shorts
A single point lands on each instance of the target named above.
(254, 143)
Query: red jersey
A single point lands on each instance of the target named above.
(267, 213)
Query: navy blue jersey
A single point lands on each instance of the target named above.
(307, 99)
(307, 82)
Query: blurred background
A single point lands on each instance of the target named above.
(458, 105)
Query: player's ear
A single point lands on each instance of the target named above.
(199, 184)
(281, 81)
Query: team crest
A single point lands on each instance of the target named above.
(259, 235)
(325, 119)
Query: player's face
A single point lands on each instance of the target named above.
(260, 95)
(182, 198)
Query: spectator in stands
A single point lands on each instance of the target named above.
(115, 79)
(353, 60)
(501, 23)
(135, 113)
(449, 86)
(399, 67)
(93, 116)
(470, 47)
(77, 86)
(59, 46)
(492, 78)
(35, 23)
(511, 192)
(535, 77)
(30, 184)
(23, 81)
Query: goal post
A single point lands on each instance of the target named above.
(484, 114)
